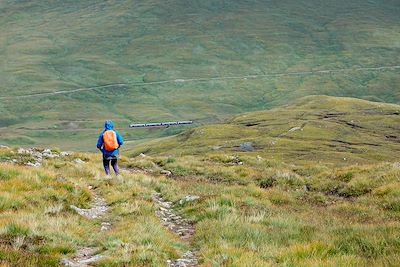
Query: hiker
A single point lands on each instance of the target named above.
(109, 143)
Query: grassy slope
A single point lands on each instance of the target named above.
(38, 228)
(316, 128)
(60, 45)
(254, 209)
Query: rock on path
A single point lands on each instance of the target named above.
(180, 226)
(98, 209)
(83, 258)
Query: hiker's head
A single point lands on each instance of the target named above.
(109, 125)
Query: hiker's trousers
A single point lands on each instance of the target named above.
(114, 164)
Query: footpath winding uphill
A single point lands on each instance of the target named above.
(180, 226)
(175, 223)
(183, 228)
(87, 255)
(109, 203)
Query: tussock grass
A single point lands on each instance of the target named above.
(293, 202)
(35, 206)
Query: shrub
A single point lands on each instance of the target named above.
(84, 198)
(288, 179)
(267, 182)
(392, 189)
(344, 176)
(325, 185)
(7, 174)
(15, 230)
(7, 203)
(315, 198)
(356, 188)
(279, 197)
(47, 249)
(181, 171)
(359, 245)
(317, 249)
(392, 204)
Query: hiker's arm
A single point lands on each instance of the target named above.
(119, 139)
(100, 142)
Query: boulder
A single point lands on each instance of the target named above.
(246, 147)
(79, 161)
(36, 164)
(296, 129)
(166, 172)
(188, 199)
(65, 154)
(22, 151)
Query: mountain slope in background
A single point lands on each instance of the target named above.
(316, 128)
(52, 46)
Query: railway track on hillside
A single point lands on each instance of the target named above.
(206, 79)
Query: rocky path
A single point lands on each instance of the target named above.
(183, 228)
(87, 255)
(83, 258)
(180, 226)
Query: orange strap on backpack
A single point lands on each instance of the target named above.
(110, 140)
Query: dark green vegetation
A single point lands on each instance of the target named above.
(48, 46)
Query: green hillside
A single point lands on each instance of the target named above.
(53, 46)
(333, 130)
(255, 191)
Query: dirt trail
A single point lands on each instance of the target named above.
(87, 255)
(181, 227)
(208, 79)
